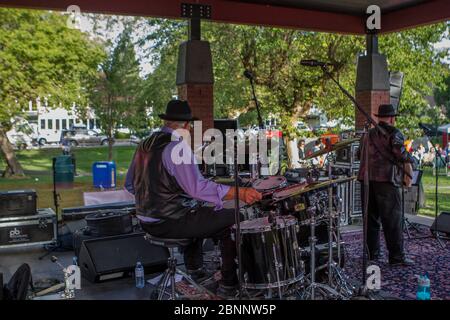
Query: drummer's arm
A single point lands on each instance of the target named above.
(248, 195)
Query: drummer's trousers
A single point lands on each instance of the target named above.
(385, 209)
(197, 225)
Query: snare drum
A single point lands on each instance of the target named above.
(270, 253)
(269, 184)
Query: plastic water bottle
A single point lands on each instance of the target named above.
(139, 275)
(423, 288)
(75, 261)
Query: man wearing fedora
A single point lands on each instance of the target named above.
(169, 195)
(386, 155)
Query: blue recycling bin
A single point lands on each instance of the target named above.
(104, 174)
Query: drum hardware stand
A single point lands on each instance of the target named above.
(334, 270)
(365, 145)
(68, 293)
(310, 291)
(278, 266)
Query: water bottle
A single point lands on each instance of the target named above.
(139, 275)
(423, 288)
(75, 261)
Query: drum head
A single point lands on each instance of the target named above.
(262, 224)
(269, 183)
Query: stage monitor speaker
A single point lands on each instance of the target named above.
(442, 223)
(224, 124)
(396, 84)
(116, 257)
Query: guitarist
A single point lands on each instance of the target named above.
(387, 162)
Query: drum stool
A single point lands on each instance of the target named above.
(172, 270)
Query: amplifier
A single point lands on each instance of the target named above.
(348, 155)
(16, 203)
(38, 229)
(349, 192)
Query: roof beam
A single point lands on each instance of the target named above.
(255, 14)
(222, 11)
(421, 14)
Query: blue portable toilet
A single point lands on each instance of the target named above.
(104, 174)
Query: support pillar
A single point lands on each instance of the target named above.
(372, 81)
(195, 79)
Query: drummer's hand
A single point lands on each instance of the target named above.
(249, 195)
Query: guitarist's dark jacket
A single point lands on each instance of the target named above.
(387, 154)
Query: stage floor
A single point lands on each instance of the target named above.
(45, 271)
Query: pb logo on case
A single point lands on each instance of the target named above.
(14, 233)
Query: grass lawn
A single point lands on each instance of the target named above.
(38, 165)
(428, 181)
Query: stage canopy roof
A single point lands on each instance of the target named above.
(341, 16)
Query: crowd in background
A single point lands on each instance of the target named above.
(426, 155)
(423, 152)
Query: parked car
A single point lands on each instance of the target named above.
(82, 136)
(137, 137)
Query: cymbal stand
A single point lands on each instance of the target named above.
(336, 276)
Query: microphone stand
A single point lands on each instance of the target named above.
(261, 127)
(237, 218)
(365, 150)
(437, 157)
(258, 111)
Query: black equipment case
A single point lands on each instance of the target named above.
(17, 203)
(37, 229)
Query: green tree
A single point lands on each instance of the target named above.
(442, 95)
(116, 95)
(41, 57)
(286, 89)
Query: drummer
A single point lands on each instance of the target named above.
(166, 193)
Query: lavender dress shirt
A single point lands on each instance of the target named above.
(187, 174)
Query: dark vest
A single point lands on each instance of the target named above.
(381, 168)
(158, 194)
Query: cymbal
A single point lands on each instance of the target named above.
(334, 147)
(313, 186)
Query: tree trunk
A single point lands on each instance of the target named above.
(14, 168)
(110, 147)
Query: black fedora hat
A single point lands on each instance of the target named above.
(178, 110)
(386, 110)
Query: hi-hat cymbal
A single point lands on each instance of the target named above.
(334, 147)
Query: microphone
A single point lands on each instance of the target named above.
(313, 63)
(248, 75)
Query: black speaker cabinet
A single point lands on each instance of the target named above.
(442, 223)
(116, 257)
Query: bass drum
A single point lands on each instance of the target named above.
(270, 253)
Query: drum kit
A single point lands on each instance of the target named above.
(273, 263)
